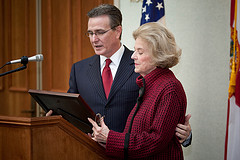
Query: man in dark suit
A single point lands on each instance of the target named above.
(85, 78)
(104, 32)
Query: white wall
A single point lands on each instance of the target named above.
(201, 29)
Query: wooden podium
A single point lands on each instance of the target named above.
(45, 138)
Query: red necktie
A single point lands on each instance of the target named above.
(107, 77)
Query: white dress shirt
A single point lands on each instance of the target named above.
(115, 58)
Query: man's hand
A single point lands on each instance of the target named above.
(49, 113)
(183, 131)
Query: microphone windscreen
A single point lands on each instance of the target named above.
(39, 57)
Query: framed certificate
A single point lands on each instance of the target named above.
(71, 107)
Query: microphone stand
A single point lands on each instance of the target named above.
(24, 61)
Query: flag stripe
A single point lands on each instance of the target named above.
(226, 137)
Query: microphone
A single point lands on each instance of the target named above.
(25, 59)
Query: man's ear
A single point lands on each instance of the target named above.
(119, 31)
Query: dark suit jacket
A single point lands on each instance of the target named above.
(85, 79)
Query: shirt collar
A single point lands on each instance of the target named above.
(115, 58)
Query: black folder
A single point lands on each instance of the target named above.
(71, 107)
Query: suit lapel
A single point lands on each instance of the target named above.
(95, 78)
(125, 70)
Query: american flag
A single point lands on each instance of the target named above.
(152, 11)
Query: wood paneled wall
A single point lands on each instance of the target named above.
(1, 42)
(64, 42)
(64, 24)
(18, 25)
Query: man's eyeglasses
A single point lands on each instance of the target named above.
(98, 33)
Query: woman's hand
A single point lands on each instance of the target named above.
(100, 133)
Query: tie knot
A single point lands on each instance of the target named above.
(108, 61)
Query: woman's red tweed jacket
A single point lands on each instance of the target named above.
(153, 130)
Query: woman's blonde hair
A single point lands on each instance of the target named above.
(165, 51)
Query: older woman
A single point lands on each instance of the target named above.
(150, 129)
